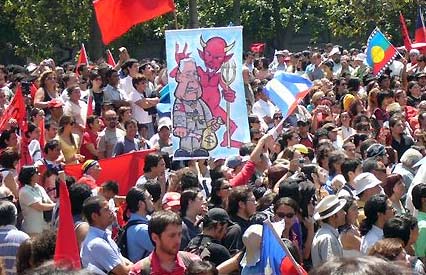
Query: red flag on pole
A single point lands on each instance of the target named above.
(257, 47)
(82, 58)
(110, 59)
(404, 31)
(15, 110)
(66, 250)
(116, 17)
(125, 169)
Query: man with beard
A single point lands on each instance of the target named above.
(109, 137)
(165, 232)
(191, 115)
(139, 203)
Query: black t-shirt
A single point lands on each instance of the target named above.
(218, 253)
(189, 231)
(406, 143)
(233, 239)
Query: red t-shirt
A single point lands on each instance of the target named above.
(88, 138)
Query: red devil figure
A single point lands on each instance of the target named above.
(214, 53)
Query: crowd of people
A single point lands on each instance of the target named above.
(343, 172)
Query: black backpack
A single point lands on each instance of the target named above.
(122, 236)
(200, 248)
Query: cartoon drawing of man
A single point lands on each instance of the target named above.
(192, 119)
(214, 53)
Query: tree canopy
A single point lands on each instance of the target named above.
(42, 28)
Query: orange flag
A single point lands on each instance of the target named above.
(125, 169)
(66, 250)
(82, 58)
(110, 59)
(116, 17)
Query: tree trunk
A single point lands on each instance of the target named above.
(193, 15)
(236, 7)
(278, 23)
(95, 47)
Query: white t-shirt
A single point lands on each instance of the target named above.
(35, 150)
(77, 111)
(138, 112)
(127, 86)
(33, 219)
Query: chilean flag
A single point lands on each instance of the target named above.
(420, 34)
(286, 90)
(274, 255)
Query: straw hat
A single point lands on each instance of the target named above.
(328, 206)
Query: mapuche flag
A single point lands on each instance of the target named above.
(380, 52)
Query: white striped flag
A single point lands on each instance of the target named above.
(286, 90)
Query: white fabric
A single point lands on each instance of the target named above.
(138, 112)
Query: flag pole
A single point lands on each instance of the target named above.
(268, 223)
(175, 19)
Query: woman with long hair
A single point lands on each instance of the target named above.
(96, 91)
(394, 188)
(47, 91)
(220, 193)
(69, 142)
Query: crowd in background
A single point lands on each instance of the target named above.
(342, 173)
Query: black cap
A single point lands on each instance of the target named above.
(217, 215)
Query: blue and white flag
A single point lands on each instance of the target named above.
(286, 90)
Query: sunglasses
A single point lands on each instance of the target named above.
(278, 117)
(7, 198)
(226, 187)
(285, 215)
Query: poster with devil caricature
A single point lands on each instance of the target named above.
(209, 110)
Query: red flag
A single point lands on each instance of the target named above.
(82, 58)
(33, 90)
(24, 151)
(257, 47)
(405, 34)
(15, 110)
(42, 138)
(420, 34)
(66, 250)
(89, 106)
(116, 17)
(110, 59)
(125, 169)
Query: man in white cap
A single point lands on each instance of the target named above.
(366, 186)
(326, 244)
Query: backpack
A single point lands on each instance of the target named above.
(200, 248)
(122, 236)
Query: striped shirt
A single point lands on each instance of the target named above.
(10, 240)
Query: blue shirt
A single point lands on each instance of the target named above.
(139, 244)
(99, 250)
(10, 240)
